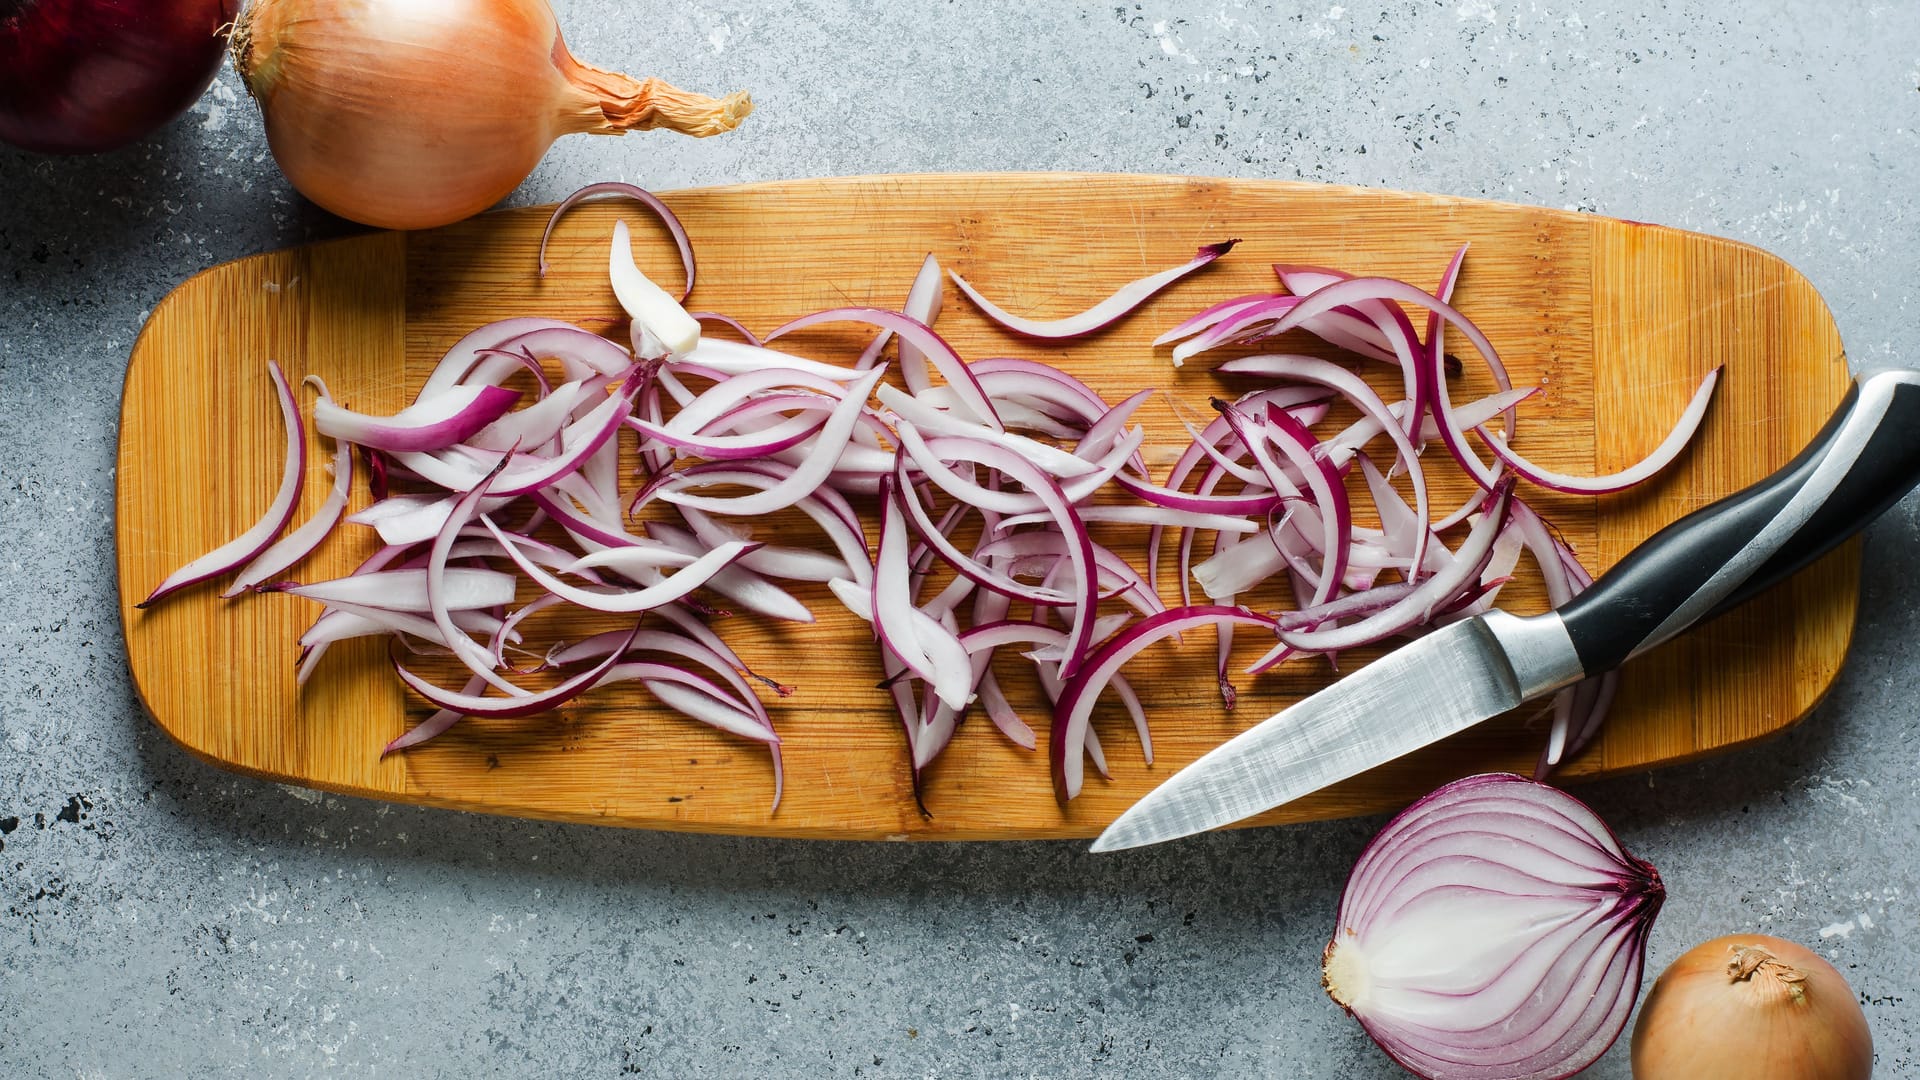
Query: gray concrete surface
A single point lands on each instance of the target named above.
(160, 919)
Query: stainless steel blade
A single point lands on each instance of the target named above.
(1436, 686)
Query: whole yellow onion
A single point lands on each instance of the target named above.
(407, 114)
(1751, 1007)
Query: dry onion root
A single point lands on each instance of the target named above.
(408, 115)
(1752, 1007)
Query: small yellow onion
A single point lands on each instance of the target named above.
(1752, 1007)
(407, 114)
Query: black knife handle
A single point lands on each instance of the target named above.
(1720, 556)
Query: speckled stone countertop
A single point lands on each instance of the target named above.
(159, 918)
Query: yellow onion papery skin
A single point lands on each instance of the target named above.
(1751, 1007)
(409, 114)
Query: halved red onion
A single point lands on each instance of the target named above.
(1494, 930)
(241, 549)
(1103, 314)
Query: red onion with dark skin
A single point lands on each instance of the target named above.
(86, 76)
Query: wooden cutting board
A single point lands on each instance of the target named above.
(1617, 320)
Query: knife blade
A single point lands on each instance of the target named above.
(1864, 459)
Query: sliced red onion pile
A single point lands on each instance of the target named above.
(1494, 930)
(988, 481)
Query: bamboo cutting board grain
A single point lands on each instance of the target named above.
(1618, 321)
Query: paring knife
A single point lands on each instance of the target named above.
(1864, 459)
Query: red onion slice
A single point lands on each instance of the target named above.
(702, 699)
(301, 542)
(1211, 315)
(536, 425)
(472, 704)
(1073, 712)
(929, 650)
(1495, 930)
(462, 588)
(239, 550)
(631, 561)
(388, 620)
(581, 352)
(432, 424)
(737, 583)
(655, 314)
(826, 507)
(993, 701)
(934, 421)
(1419, 605)
(726, 360)
(791, 563)
(1103, 314)
(790, 432)
(434, 725)
(980, 573)
(645, 198)
(458, 469)
(1354, 389)
(727, 321)
(1041, 489)
(921, 336)
(628, 601)
(802, 482)
(466, 360)
(923, 305)
(477, 658)
(1662, 455)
